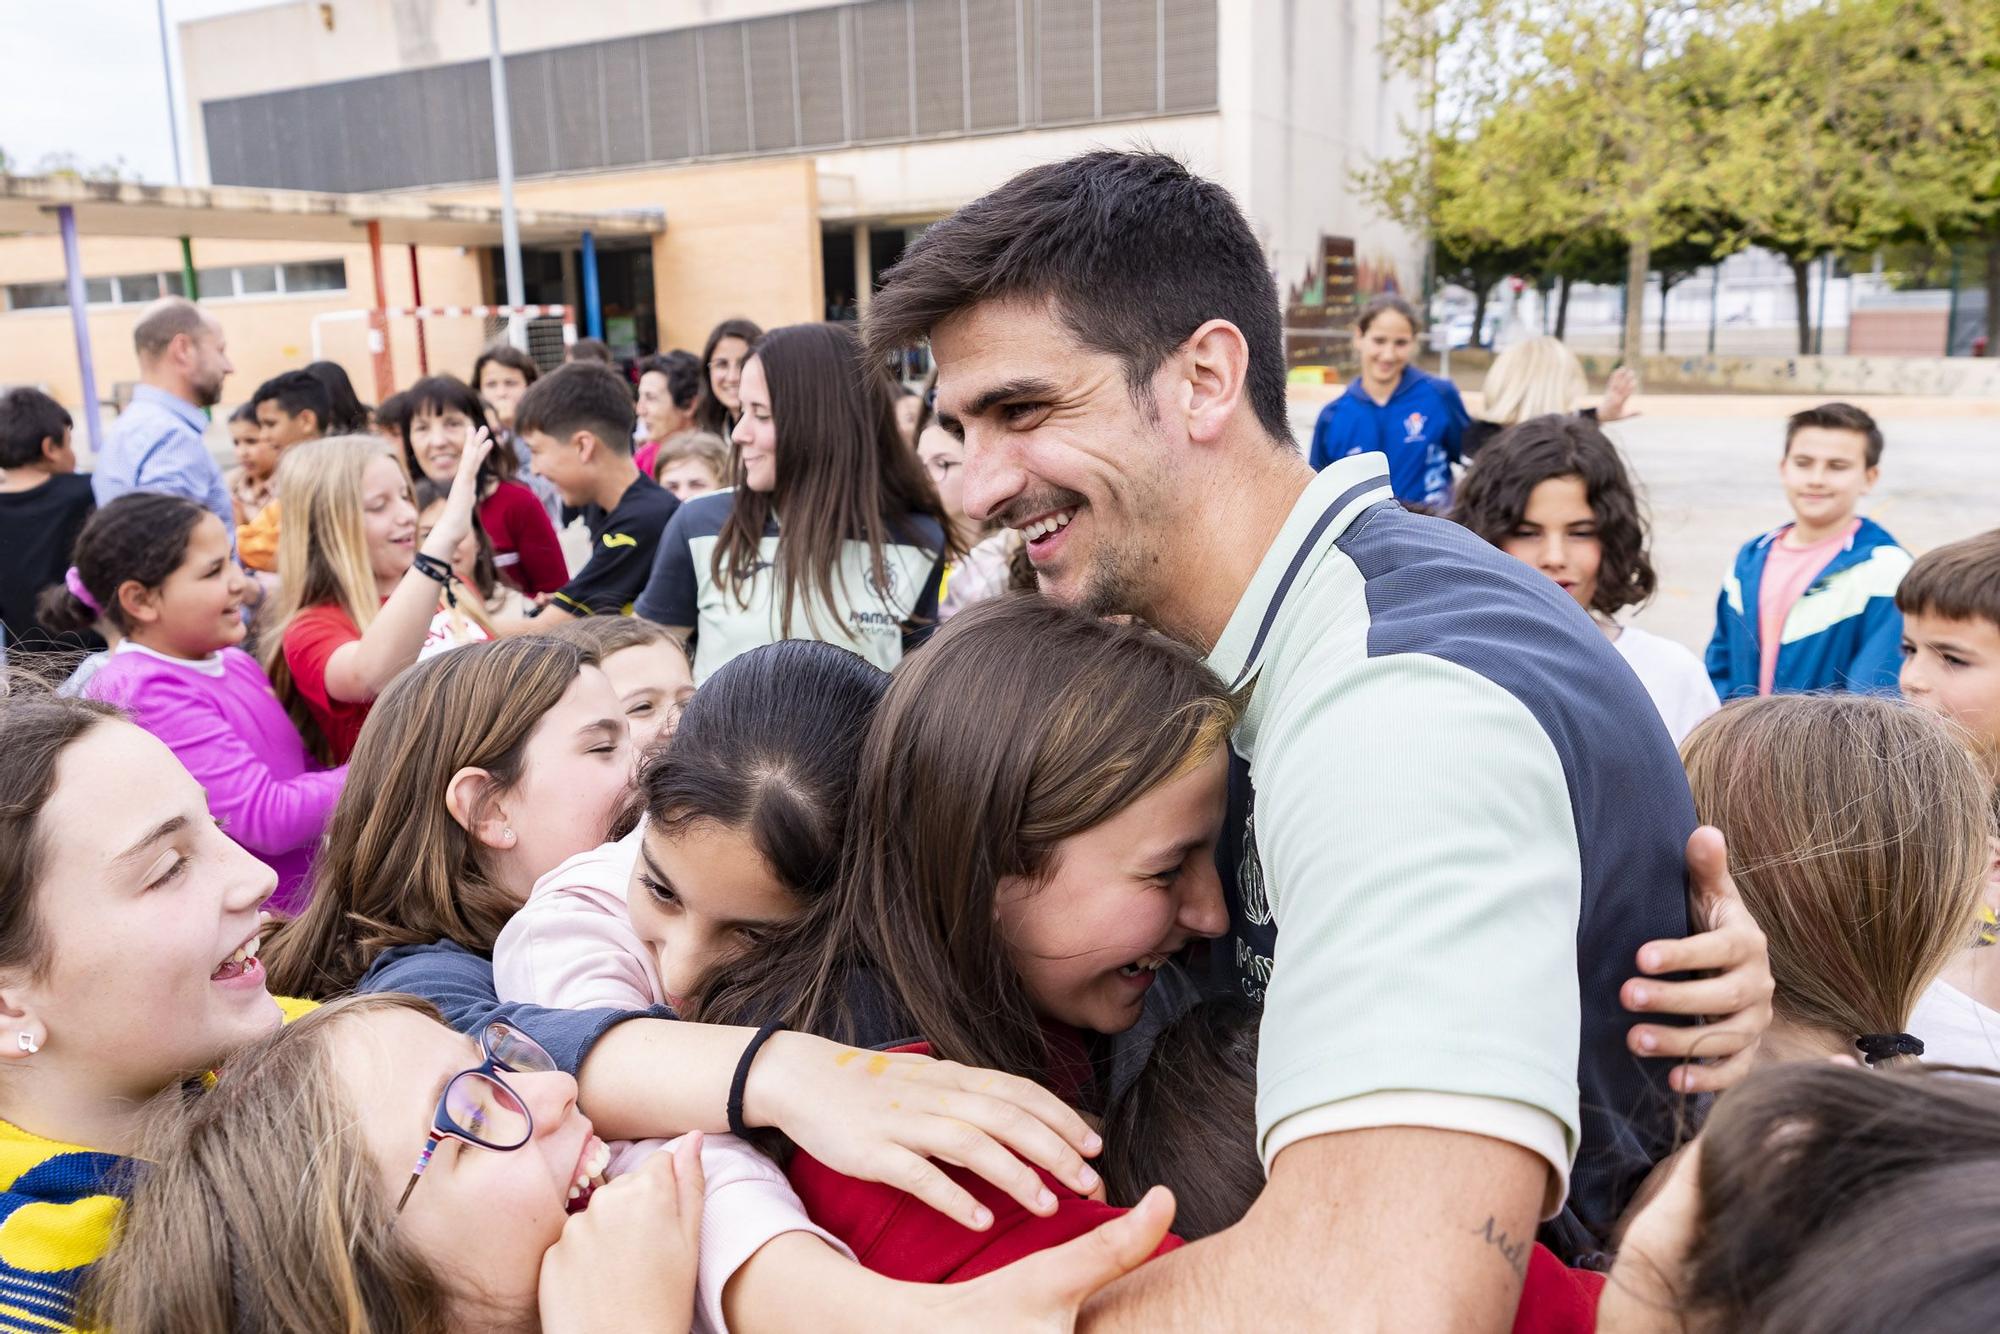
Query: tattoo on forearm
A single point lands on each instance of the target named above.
(1515, 1253)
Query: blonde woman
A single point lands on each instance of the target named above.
(1538, 377)
(356, 593)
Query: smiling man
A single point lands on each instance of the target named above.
(1466, 818)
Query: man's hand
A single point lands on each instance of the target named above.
(1730, 953)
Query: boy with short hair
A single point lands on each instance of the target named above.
(577, 422)
(1810, 605)
(1950, 602)
(290, 408)
(44, 501)
(253, 481)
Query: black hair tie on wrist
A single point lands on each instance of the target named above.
(742, 1078)
(1879, 1047)
(432, 568)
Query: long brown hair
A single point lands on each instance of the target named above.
(710, 414)
(1857, 833)
(1021, 723)
(262, 1209)
(396, 868)
(844, 474)
(35, 729)
(1844, 1202)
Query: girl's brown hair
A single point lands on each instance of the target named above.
(709, 413)
(261, 1208)
(1021, 723)
(395, 867)
(1857, 834)
(35, 729)
(1844, 1202)
(844, 474)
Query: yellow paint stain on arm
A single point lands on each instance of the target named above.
(877, 1063)
(844, 1057)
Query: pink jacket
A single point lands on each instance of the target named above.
(571, 946)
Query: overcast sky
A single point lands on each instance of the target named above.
(84, 77)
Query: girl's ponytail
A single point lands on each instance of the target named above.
(138, 538)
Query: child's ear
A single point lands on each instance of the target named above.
(587, 446)
(140, 604)
(470, 798)
(22, 1032)
(1869, 478)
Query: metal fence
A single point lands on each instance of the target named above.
(881, 72)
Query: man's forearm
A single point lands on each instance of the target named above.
(1396, 1228)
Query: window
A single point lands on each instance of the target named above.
(34, 296)
(215, 282)
(320, 275)
(257, 279)
(138, 287)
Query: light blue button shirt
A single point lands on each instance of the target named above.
(156, 445)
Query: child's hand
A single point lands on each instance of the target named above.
(1642, 1295)
(627, 1263)
(1043, 1293)
(456, 521)
(1618, 393)
(884, 1116)
(1734, 959)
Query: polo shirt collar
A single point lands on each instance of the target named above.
(173, 403)
(1341, 491)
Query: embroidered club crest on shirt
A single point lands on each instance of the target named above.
(1413, 428)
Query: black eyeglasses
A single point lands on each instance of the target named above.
(478, 1107)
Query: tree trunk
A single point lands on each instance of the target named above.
(1993, 295)
(1479, 314)
(1802, 293)
(1562, 306)
(1667, 281)
(1637, 261)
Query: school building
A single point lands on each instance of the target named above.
(785, 151)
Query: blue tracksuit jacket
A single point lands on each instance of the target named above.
(1844, 632)
(1419, 429)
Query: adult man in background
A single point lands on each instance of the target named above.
(157, 442)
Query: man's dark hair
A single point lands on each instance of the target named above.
(27, 418)
(1838, 417)
(295, 392)
(588, 349)
(684, 375)
(581, 396)
(1134, 251)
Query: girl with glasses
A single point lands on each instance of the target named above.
(275, 1207)
(722, 356)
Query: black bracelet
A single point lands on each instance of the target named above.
(432, 568)
(736, 1126)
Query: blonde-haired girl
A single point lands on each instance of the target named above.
(1537, 377)
(356, 595)
(1857, 834)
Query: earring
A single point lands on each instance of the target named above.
(28, 1044)
(507, 834)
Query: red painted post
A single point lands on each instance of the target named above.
(378, 319)
(417, 303)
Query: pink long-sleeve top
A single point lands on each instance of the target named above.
(572, 946)
(220, 718)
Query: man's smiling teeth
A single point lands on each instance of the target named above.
(1152, 963)
(1041, 528)
(590, 1172)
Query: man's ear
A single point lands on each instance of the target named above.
(471, 798)
(1214, 366)
(140, 604)
(588, 446)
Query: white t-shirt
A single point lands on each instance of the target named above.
(1672, 675)
(1955, 1028)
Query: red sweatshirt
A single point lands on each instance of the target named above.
(900, 1237)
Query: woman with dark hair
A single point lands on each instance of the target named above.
(722, 359)
(441, 413)
(346, 413)
(831, 531)
(1553, 492)
(669, 386)
(1413, 418)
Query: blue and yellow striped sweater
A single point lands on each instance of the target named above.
(59, 1209)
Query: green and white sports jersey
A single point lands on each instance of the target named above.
(878, 622)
